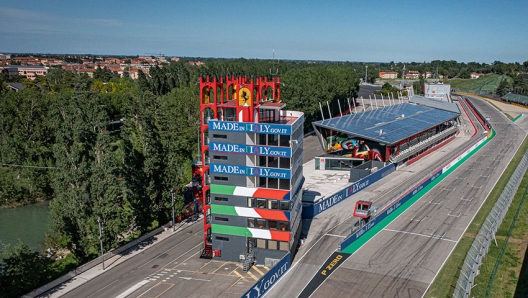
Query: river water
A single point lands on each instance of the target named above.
(29, 223)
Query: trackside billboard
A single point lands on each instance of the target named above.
(250, 149)
(265, 283)
(276, 129)
(309, 211)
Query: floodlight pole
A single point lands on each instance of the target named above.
(172, 195)
(101, 238)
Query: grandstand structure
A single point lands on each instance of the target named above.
(515, 99)
(395, 134)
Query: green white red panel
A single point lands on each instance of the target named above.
(250, 212)
(251, 232)
(255, 192)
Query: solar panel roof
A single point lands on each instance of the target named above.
(389, 124)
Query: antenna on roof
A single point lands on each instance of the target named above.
(329, 113)
(340, 112)
(349, 107)
(273, 65)
(355, 109)
(370, 102)
(322, 114)
(382, 100)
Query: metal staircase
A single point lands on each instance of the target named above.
(207, 252)
(250, 257)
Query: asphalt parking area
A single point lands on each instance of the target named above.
(199, 278)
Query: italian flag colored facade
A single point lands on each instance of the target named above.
(265, 193)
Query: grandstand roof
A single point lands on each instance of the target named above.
(390, 124)
(516, 98)
(435, 103)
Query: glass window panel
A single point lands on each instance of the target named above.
(283, 226)
(272, 224)
(284, 246)
(284, 184)
(285, 205)
(261, 203)
(272, 244)
(261, 243)
(261, 223)
(274, 204)
(284, 163)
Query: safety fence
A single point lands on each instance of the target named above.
(486, 235)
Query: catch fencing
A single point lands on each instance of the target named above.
(486, 235)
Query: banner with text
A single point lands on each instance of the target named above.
(267, 281)
(260, 128)
(309, 211)
(250, 171)
(250, 149)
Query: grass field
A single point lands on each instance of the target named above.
(508, 282)
(486, 84)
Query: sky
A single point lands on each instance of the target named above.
(362, 31)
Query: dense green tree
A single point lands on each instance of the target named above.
(178, 123)
(503, 88)
(25, 147)
(305, 88)
(103, 74)
(82, 148)
(144, 160)
(21, 270)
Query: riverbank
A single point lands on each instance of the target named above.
(28, 223)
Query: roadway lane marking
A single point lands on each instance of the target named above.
(449, 214)
(334, 235)
(328, 267)
(414, 219)
(252, 275)
(222, 265)
(238, 274)
(133, 288)
(189, 278)
(423, 235)
(256, 269)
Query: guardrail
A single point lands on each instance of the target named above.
(487, 232)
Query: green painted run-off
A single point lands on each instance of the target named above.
(354, 246)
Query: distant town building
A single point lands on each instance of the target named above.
(476, 75)
(412, 74)
(30, 72)
(27, 61)
(388, 75)
(16, 86)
